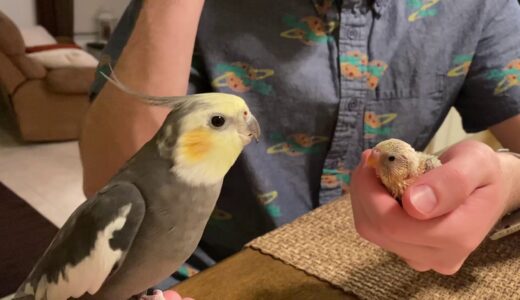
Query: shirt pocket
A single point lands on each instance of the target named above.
(410, 110)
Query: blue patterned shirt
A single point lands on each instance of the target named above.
(328, 79)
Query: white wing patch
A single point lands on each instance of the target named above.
(90, 273)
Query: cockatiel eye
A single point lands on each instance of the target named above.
(391, 158)
(218, 121)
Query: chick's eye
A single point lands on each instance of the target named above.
(391, 158)
(218, 121)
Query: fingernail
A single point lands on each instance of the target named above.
(423, 199)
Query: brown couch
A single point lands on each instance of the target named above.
(48, 105)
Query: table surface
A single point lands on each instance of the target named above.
(250, 274)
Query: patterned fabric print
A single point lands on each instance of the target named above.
(309, 30)
(103, 67)
(462, 64)
(508, 77)
(241, 77)
(324, 7)
(355, 66)
(333, 178)
(186, 271)
(377, 125)
(268, 200)
(421, 9)
(220, 215)
(297, 144)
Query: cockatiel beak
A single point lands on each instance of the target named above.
(373, 159)
(252, 130)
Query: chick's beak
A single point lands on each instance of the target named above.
(373, 159)
(254, 128)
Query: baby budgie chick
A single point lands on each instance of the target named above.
(397, 164)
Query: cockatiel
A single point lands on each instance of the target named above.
(149, 218)
(397, 164)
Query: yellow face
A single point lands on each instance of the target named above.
(393, 158)
(212, 133)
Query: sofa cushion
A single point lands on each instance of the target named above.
(30, 68)
(36, 36)
(43, 115)
(11, 42)
(51, 47)
(10, 76)
(70, 80)
(64, 58)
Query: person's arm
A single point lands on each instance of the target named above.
(156, 60)
(507, 134)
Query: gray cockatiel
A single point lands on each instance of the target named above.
(149, 218)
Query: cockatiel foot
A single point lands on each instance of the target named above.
(166, 295)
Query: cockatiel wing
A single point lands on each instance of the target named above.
(428, 162)
(91, 245)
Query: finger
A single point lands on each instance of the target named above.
(449, 269)
(368, 232)
(383, 211)
(171, 295)
(468, 166)
(417, 266)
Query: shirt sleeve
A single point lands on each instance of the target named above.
(119, 38)
(491, 91)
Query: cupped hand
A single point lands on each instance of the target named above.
(166, 295)
(445, 214)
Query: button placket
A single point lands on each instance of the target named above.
(347, 141)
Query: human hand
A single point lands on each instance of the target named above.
(446, 212)
(166, 295)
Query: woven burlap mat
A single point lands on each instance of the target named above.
(324, 243)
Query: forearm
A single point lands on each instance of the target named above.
(156, 61)
(157, 57)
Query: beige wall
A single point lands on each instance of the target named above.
(451, 132)
(85, 12)
(22, 12)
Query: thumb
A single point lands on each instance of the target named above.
(445, 188)
(171, 295)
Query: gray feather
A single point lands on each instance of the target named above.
(76, 239)
(168, 101)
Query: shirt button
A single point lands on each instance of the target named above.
(353, 105)
(352, 34)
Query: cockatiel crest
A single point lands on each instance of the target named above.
(397, 164)
(210, 131)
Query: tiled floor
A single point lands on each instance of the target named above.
(46, 175)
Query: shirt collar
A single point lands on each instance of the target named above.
(378, 6)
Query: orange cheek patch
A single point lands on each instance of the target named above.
(195, 144)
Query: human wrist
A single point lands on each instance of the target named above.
(510, 167)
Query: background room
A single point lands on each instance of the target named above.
(48, 53)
